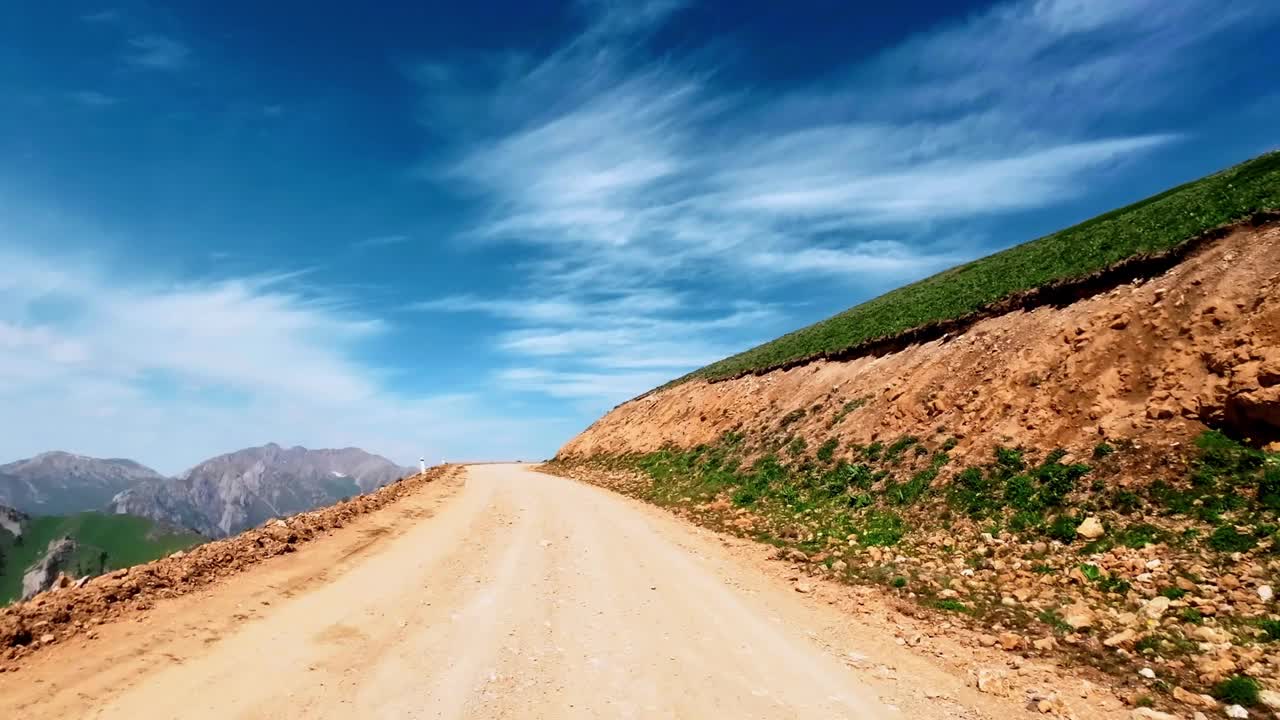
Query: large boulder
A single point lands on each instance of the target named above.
(42, 575)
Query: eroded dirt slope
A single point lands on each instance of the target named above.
(1153, 362)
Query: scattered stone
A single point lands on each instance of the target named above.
(1149, 714)
(1156, 607)
(990, 680)
(1091, 528)
(1185, 696)
(1235, 711)
(1206, 633)
(1079, 616)
(1147, 673)
(1045, 643)
(803, 588)
(1264, 592)
(1270, 698)
(1215, 668)
(1119, 638)
(987, 640)
(1010, 641)
(793, 555)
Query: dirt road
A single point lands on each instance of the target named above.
(507, 594)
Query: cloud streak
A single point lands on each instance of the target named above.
(380, 241)
(153, 51)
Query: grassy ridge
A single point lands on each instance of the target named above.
(1152, 226)
(126, 540)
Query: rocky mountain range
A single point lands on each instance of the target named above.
(229, 493)
(59, 483)
(68, 514)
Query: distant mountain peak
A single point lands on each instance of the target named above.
(241, 489)
(58, 482)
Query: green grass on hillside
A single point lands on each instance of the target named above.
(1152, 226)
(126, 540)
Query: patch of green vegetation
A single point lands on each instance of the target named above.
(1150, 226)
(882, 529)
(899, 582)
(1126, 501)
(1227, 539)
(1063, 528)
(1174, 593)
(1092, 572)
(104, 542)
(1115, 585)
(1230, 485)
(847, 408)
(1238, 690)
(1270, 629)
(952, 605)
(1053, 619)
(827, 450)
(894, 451)
(1102, 450)
(1191, 615)
(1009, 485)
(1139, 535)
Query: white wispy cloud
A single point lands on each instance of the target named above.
(380, 241)
(647, 175)
(157, 52)
(110, 364)
(598, 387)
(93, 98)
(107, 15)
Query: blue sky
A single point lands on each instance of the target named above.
(467, 229)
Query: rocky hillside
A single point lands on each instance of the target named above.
(239, 490)
(1097, 481)
(58, 483)
(1151, 362)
